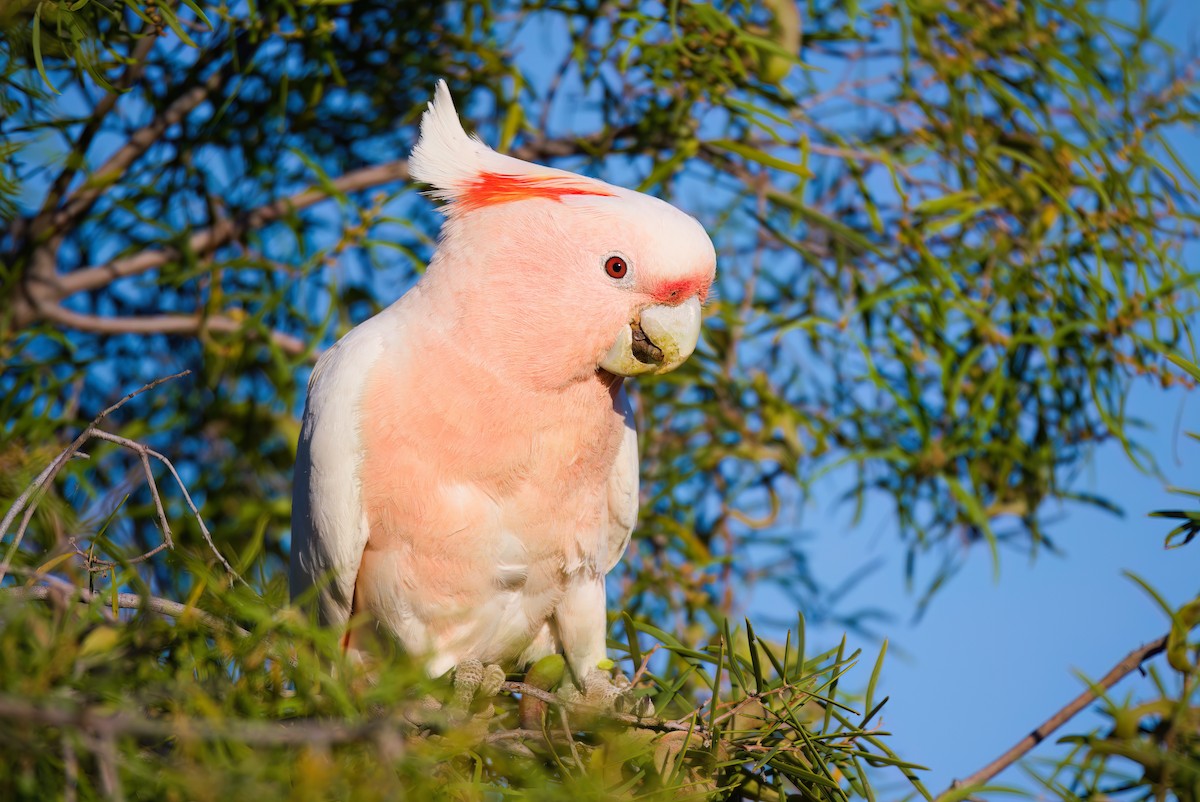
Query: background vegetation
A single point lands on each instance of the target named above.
(950, 237)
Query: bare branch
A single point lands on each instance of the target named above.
(1129, 663)
(125, 601)
(145, 454)
(110, 775)
(281, 733)
(307, 731)
(26, 500)
(82, 198)
(645, 666)
(565, 721)
(18, 505)
(224, 231)
(70, 770)
(187, 325)
(133, 73)
(125, 399)
(665, 725)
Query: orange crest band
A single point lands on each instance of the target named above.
(491, 189)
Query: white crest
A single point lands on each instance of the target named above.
(466, 173)
(445, 157)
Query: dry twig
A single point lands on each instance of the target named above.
(1128, 664)
(126, 601)
(27, 502)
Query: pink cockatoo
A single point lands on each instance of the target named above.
(467, 471)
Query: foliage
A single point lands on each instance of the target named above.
(1151, 749)
(217, 716)
(200, 707)
(950, 239)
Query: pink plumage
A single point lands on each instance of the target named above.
(467, 468)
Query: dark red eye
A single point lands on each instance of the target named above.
(615, 266)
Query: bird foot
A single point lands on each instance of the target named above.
(610, 693)
(473, 680)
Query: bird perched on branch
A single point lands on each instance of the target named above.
(467, 472)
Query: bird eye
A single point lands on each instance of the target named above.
(615, 266)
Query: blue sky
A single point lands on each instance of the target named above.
(992, 658)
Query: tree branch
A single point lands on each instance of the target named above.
(181, 324)
(308, 731)
(1130, 662)
(224, 231)
(47, 476)
(146, 453)
(75, 159)
(279, 733)
(138, 143)
(658, 724)
(127, 601)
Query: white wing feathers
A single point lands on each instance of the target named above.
(329, 525)
(623, 489)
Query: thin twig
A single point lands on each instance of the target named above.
(145, 452)
(19, 504)
(143, 389)
(28, 503)
(645, 666)
(265, 733)
(70, 770)
(283, 733)
(126, 601)
(1129, 663)
(565, 721)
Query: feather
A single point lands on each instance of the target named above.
(465, 173)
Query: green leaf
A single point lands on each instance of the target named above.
(37, 48)
(759, 156)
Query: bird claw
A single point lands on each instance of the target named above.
(612, 694)
(473, 680)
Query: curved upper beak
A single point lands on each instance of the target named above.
(658, 341)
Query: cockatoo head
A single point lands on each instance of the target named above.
(574, 272)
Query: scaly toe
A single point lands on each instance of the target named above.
(612, 693)
(599, 690)
(569, 693)
(491, 682)
(467, 677)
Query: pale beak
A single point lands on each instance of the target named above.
(658, 341)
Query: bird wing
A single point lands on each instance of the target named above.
(623, 488)
(329, 523)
